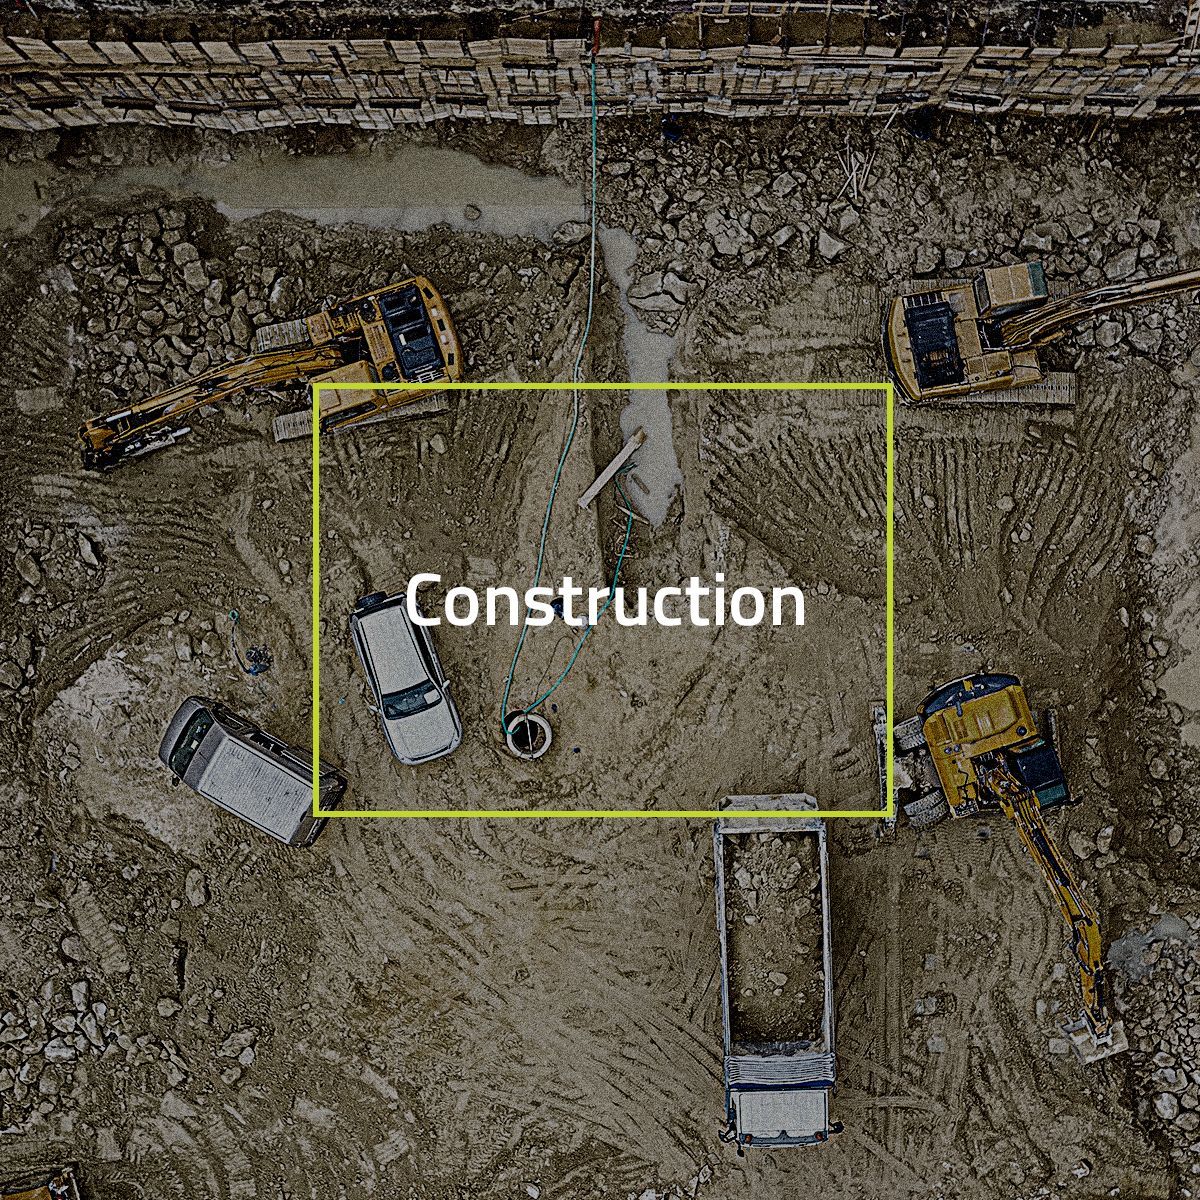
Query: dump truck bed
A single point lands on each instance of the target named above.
(776, 971)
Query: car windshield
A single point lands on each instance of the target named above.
(189, 741)
(412, 700)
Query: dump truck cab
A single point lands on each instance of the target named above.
(779, 1079)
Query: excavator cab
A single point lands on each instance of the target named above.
(983, 721)
(945, 341)
(977, 722)
(1037, 766)
(414, 338)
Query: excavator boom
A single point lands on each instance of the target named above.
(110, 440)
(1042, 325)
(1020, 805)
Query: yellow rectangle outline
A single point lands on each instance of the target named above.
(887, 813)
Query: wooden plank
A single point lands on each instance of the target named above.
(623, 456)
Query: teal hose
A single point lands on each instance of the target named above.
(604, 608)
(576, 375)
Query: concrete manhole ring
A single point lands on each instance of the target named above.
(527, 735)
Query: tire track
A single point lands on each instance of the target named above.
(619, 1095)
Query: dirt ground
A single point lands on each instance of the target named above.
(474, 1008)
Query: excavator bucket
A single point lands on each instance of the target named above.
(1089, 1048)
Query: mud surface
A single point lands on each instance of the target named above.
(494, 1009)
(773, 918)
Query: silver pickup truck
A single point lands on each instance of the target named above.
(772, 883)
(246, 771)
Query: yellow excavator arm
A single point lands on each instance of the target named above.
(377, 352)
(161, 420)
(1020, 805)
(1051, 320)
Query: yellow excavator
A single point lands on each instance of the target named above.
(45, 1183)
(401, 334)
(975, 747)
(983, 336)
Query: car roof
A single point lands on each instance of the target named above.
(253, 784)
(391, 642)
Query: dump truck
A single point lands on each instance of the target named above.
(43, 1183)
(400, 335)
(983, 335)
(974, 747)
(772, 890)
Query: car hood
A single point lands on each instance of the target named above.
(424, 734)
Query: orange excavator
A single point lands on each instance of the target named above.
(400, 336)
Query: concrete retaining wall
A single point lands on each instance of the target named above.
(379, 84)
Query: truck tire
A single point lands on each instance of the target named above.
(927, 810)
(909, 735)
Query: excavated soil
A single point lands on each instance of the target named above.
(773, 919)
(436, 1009)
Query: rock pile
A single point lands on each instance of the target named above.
(774, 931)
(58, 568)
(719, 215)
(1162, 1021)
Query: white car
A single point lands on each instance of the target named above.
(412, 693)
